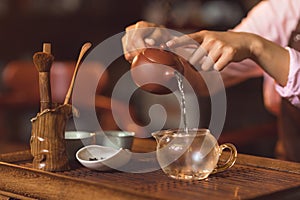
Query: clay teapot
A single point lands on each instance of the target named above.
(154, 70)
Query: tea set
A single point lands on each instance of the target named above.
(185, 154)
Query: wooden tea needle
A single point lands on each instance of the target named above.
(43, 62)
(83, 50)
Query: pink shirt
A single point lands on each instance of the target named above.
(273, 20)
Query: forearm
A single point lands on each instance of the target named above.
(272, 58)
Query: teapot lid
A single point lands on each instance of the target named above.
(160, 56)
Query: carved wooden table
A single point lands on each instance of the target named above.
(250, 178)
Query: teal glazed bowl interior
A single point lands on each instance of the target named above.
(76, 140)
(115, 139)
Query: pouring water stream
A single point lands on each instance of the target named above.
(179, 78)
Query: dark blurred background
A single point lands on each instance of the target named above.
(26, 24)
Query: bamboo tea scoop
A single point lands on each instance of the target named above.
(83, 50)
(43, 62)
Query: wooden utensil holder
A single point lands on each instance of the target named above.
(47, 143)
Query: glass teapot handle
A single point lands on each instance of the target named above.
(230, 161)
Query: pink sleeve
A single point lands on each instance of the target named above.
(271, 97)
(292, 89)
(274, 20)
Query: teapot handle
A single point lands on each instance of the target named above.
(230, 161)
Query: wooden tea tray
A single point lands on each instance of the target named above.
(250, 178)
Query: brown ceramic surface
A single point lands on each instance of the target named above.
(158, 70)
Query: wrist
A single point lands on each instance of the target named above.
(256, 47)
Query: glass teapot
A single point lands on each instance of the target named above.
(192, 155)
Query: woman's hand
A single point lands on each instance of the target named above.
(141, 35)
(216, 49)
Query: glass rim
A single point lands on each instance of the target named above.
(181, 132)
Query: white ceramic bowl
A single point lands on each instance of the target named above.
(102, 158)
